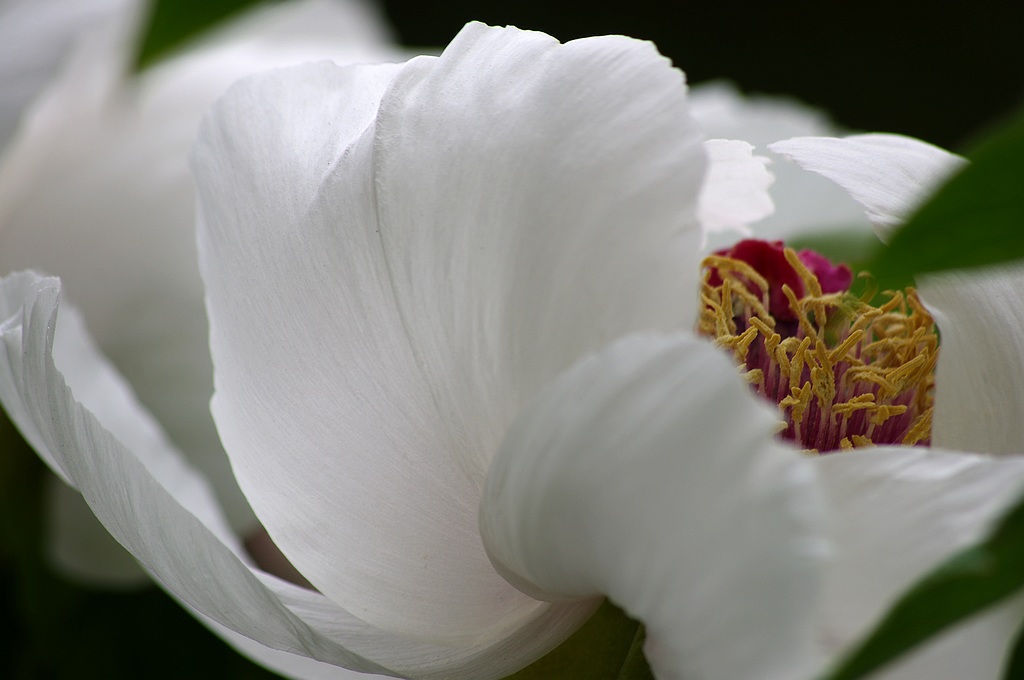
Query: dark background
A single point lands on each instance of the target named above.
(938, 71)
(942, 72)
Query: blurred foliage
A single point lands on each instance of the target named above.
(58, 630)
(172, 24)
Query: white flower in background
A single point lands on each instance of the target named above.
(464, 287)
(95, 188)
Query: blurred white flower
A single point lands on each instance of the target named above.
(95, 188)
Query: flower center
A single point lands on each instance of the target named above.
(844, 373)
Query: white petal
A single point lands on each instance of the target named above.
(889, 175)
(155, 505)
(386, 288)
(899, 512)
(804, 202)
(735, 192)
(649, 473)
(979, 380)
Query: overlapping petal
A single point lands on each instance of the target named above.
(468, 226)
(710, 534)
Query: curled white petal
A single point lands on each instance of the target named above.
(979, 379)
(649, 473)
(890, 175)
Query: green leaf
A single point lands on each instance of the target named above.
(976, 219)
(173, 23)
(971, 581)
(608, 647)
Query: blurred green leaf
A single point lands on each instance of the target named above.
(976, 219)
(173, 23)
(971, 581)
(608, 647)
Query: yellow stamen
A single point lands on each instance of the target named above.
(863, 365)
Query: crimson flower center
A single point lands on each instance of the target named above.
(843, 372)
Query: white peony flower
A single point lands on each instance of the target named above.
(451, 305)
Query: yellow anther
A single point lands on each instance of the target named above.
(845, 346)
(810, 280)
(883, 412)
(921, 429)
(863, 365)
(727, 264)
(754, 376)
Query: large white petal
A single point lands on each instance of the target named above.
(157, 507)
(897, 513)
(96, 189)
(386, 288)
(890, 175)
(649, 473)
